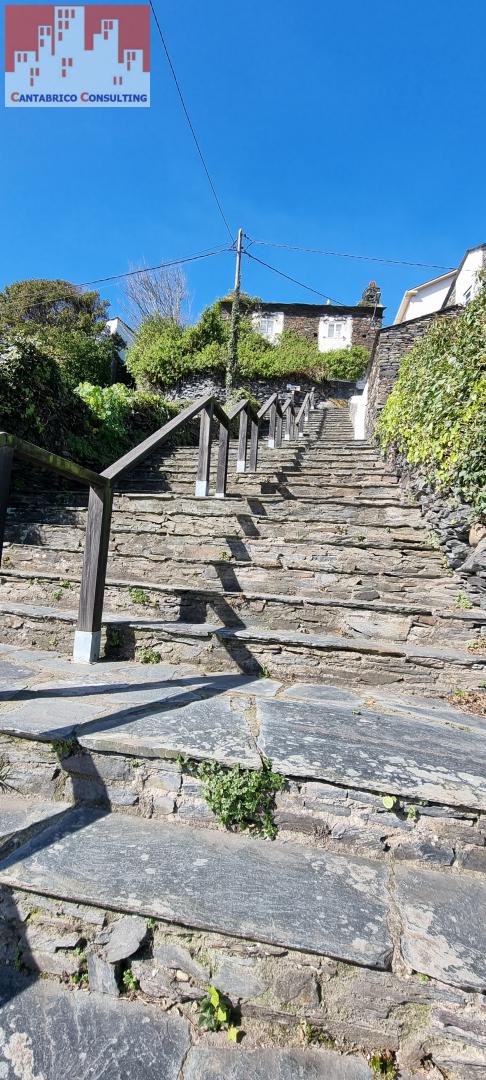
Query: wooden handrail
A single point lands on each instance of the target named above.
(28, 451)
(101, 485)
(138, 453)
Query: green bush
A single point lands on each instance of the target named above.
(436, 412)
(35, 403)
(120, 418)
(163, 353)
(156, 356)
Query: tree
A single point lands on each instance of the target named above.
(152, 293)
(64, 323)
(42, 302)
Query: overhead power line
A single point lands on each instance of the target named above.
(348, 255)
(190, 123)
(301, 285)
(160, 266)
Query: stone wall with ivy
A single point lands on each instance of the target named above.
(391, 344)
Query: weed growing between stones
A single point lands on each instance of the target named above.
(113, 637)
(139, 596)
(315, 1037)
(473, 701)
(478, 645)
(129, 982)
(65, 747)
(382, 1064)
(57, 594)
(146, 655)
(463, 602)
(216, 1012)
(4, 773)
(390, 802)
(240, 798)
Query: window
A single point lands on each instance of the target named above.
(468, 295)
(269, 324)
(334, 332)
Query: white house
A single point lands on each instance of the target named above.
(456, 287)
(118, 326)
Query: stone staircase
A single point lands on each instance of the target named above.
(305, 620)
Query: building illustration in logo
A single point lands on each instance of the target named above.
(78, 56)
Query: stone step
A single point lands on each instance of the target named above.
(327, 658)
(308, 731)
(352, 616)
(249, 486)
(230, 578)
(286, 895)
(133, 555)
(137, 1040)
(243, 515)
(179, 535)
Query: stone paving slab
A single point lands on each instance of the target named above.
(213, 728)
(377, 750)
(18, 815)
(212, 1063)
(48, 1032)
(443, 924)
(297, 897)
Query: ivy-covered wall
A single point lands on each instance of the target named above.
(436, 412)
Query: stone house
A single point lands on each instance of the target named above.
(331, 326)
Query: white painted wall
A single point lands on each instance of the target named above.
(427, 299)
(269, 324)
(335, 332)
(117, 326)
(467, 284)
(357, 412)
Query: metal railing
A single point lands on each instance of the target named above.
(87, 639)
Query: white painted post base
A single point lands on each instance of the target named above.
(87, 647)
(271, 444)
(220, 495)
(240, 466)
(202, 489)
(287, 436)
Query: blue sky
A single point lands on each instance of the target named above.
(356, 127)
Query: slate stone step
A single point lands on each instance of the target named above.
(20, 818)
(160, 536)
(343, 661)
(355, 615)
(286, 895)
(248, 486)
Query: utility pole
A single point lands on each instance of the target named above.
(235, 319)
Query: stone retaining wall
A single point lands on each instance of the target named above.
(196, 385)
(391, 344)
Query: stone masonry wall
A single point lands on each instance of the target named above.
(196, 385)
(392, 342)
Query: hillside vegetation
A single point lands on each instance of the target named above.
(436, 412)
(164, 353)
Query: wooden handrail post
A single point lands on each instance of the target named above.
(301, 425)
(278, 430)
(253, 444)
(204, 459)
(87, 639)
(222, 470)
(288, 422)
(6, 459)
(242, 437)
(292, 421)
(272, 426)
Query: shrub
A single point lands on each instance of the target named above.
(121, 418)
(436, 412)
(156, 356)
(35, 403)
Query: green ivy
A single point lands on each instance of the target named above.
(436, 412)
(240, 798)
